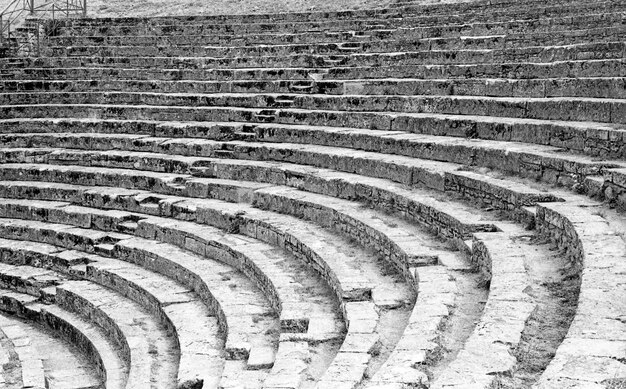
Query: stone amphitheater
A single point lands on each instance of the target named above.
(415, 196)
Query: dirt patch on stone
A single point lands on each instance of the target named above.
(469, 304)
(555, 289)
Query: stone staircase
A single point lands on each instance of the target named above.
(420, 196)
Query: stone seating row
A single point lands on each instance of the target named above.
(354, 311)
(132, 48)
(535, 54)
(193, 34)
(435, 16)
(394, 369)
(381, 108)
(196, 34)
(593, 138)
(594, 87)
(133, 250)
(73, 328)
(309, 76)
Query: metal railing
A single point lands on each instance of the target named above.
(23, 24)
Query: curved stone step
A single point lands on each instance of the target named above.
(506, 157)
(537, 54)
(396, 241)
(337, 257)
(446, 218)
(200, 49)
(547, 163)
(373, 228)
(591, 356)
(72, 328)
(514, 70)
(11, 373)
(363, 325)
(405, 170)
(397, 365)
(69, 36)
(309, 20)
(412, 372)
(22, 366)
(487, 353)
(321, 322)
(262, 263)
(103, 271)
(419, 342)
(467, 124)
(582, 137)
(203, 277)
(549, 108)
(520, 69)
(596, 87)
(200, 346)
(147, 346)
(429, 139)
(358, 321)
(406, 351)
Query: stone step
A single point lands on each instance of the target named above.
(595, 87)
(501, 258)
(494, 192)
(513, 70)
(331, 31)
(394, 236)
(421, 206)
(397, 241)
(146, 343)
(257, 260)
(351, 111)
(200, 347)
(43, 359)
(74, 329)
(11, 373)
(174, 161)
(419, 342)
(519, 70)
(49, 173)
(22, 366)
(305, 20)
(307, 314)
(590, 354)
(101, 270)
(358, 322)
(247, 329)
(204, 277)
(535, 54)
(512, 154)
(584, 137)
(76, 193)
(200, 49)
(194, 34)
(290, 368)
(336, 259)
(299, 312)
(411, 153)
(601, 87)
(30, 280)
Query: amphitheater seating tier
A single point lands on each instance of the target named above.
(413, 196)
